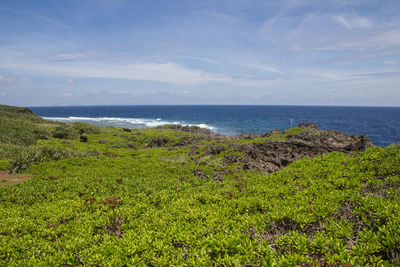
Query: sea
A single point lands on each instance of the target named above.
(381, 124)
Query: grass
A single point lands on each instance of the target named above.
(111, 203)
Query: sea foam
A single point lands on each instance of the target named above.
(127, 122)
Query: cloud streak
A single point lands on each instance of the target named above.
(351, 21)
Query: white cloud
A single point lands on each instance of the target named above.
(388, 40)
(158, 72)
(168, 72)
(207, 60)
(352, 21)
(37, 16)
(270, 22)
(66, 94)
(327, 75)
(3, 94)
(353, 77)
(270, 69)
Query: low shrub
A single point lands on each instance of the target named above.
(63, 132)
(82, 128)
(72, 131)
(34, 155)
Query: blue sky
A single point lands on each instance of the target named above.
(99, 52)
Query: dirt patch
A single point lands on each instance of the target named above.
(345, 212)
(6, 178)
(376, 190)
(282, 227)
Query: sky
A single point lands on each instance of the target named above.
(237, 52)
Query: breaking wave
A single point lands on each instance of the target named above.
(127, 122)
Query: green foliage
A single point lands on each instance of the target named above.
(4, 164)
(20, 126)
(290, 132)
(7, 151)
(20, 132)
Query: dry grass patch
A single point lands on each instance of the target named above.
(6, 178)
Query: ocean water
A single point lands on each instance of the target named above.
(381, 124)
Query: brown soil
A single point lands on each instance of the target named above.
(6, 178)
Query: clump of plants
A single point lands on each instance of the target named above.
(114, 226)
(34, 155)
(73, 130)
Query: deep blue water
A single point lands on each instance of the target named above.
(381, 124)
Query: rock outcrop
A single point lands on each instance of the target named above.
(271, 155)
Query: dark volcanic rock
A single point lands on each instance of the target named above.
(271, 156)
(131, 145)
(218, 177)
(189, 129)
(214, 149)
(159, 142)
(275, 131)
(185, 140)
(308, 125)
(199, 173)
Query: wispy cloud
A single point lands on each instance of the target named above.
(202, 59)
(74, 56)
(326, 75)
(66, 95)
(163, 72)
(270, 69)
(383, 40)
(351, 21)
(156, 72)
(341, 76)
(44, 19)
(270, 22)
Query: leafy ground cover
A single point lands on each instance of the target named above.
(169, 197)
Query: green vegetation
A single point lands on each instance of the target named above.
(20, 126)
(167, 197)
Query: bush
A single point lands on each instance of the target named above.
(35, 155)
(71, 131)
(63, 132)
(82, 128)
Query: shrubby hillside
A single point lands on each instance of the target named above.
(178, 195)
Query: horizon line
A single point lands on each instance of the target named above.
(259, 105)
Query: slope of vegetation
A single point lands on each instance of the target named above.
(114, 197)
